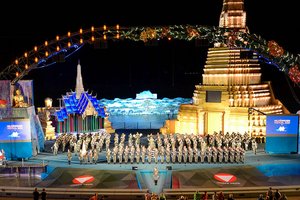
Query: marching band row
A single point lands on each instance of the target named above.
(163, 148)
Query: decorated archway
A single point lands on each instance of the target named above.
(64, 46)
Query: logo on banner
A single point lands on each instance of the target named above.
(225, 178)
(83, 179)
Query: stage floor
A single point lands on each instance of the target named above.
(258, 170)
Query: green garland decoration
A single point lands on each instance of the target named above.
(284, 62)
(270, 51)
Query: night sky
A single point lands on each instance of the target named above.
(170, 69)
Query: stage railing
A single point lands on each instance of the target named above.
(238, 192)
(22, 169)
(73, 193)
(138, 194)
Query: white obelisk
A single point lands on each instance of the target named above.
(79, 84)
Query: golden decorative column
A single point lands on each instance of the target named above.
(44, 115)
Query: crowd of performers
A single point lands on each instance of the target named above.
(159, 148)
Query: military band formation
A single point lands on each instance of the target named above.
(158, 148)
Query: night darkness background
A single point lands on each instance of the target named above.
(170, 69)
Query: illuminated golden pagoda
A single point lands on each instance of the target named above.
(233, 15)
(232, 97)
(44, 114)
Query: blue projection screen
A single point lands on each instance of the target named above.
(17, 130)
(282, 133)
(15, 138)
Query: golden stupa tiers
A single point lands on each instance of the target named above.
(233, 15)
(232, 97)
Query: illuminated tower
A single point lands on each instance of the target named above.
(79, 84)
(232, 96)
(233, 15)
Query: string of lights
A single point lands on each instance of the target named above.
(63, 46)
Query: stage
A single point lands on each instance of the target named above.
(260, 170)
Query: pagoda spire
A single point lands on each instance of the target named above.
(233, 15)
(79, 83)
